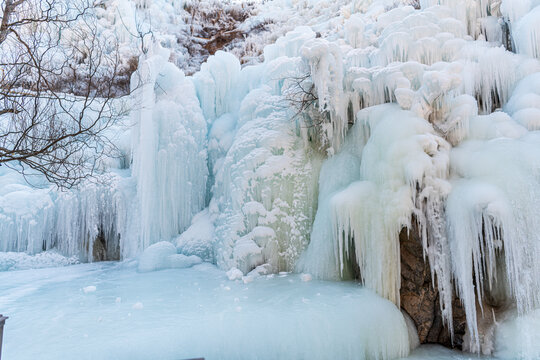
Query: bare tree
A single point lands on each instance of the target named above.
(300, 94)
(57, 84)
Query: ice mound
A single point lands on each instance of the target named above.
(162, 255)
(198, 238)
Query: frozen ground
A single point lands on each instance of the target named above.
(74, 312)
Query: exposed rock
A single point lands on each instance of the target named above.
(420, 299)
(106, 248)
(99, 249)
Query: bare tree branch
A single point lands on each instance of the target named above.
(54, 115)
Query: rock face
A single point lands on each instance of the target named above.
(420, 299)
(105, 248)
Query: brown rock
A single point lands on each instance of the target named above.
(106, 248)
(420, 299)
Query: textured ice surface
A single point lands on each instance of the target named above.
(162, 255)
(185, 313)
(169, 151)
(198, 238)
(436, 352)
(517, 336)
(263, 198)
(46, 259)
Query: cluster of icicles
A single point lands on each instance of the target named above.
(456, 152)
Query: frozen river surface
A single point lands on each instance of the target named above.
(111, 311)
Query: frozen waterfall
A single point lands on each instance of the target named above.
(375, 118)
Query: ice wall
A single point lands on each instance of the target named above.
(169, 150)
(88, 223)
(122, 211)
(263, 196)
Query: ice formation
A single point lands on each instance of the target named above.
(356, 125)
(163, 255)
(264, 178)
(466, 200)
(169, 149)
(73, 222)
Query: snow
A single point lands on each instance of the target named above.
(138, 306)
(234, 274)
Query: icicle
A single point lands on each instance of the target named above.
(493, 211)
(401, 152)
